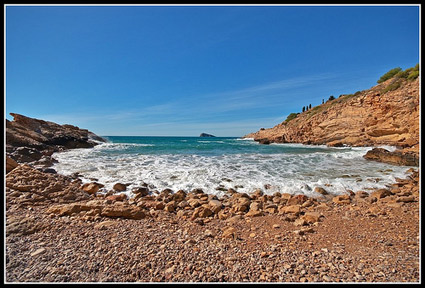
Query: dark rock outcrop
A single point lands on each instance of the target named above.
(406, 158)
(29, 140)
(264, 141)
(206, 135)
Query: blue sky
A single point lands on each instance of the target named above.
(181, 71)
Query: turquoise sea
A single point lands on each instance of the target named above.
(215, 164)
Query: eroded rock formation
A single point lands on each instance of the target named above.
(30, 140)
(370, 118)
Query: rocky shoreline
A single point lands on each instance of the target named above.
(371, 117)
(61, 230)
(58, 230)
(33, 141)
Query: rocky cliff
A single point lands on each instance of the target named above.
(30, 140)
(373, 117)
(382, 115)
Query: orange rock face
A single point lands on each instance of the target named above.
(370, 118)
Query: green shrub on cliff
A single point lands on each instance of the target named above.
(392, 86)
(390, 74)
(290, 117)
(404, 74)
(413, 75)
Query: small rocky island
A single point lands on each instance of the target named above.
(206, 135)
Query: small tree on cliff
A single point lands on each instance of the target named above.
(303, 108)
(331, 98)
(323, 101)
(290, 117)
(390, 74)
(309, 106)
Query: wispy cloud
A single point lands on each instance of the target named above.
(185, 128)
(266, 95)
(225, 111)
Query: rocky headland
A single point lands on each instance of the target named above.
(33, 141)
(61, 230)
(386, 114)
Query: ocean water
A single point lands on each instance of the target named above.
(216, 164)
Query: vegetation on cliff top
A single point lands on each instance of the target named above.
(397, 74)
(290, 117)
(409, 74)
(390, 74)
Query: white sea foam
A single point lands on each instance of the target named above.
(389, 148)
(120, 146)
(336, 170)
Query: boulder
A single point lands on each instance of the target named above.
(320, 190)
(170, 206)
(341, 199)
(119, 187)
(257, 194)
(123, 211)
(10, 164)
(286, 196)
(197, 191)
(409, 158)
(179, 196)
(255, 206)
(361, 194)
(276, 199)
(241, 204)
(300, 222)
(254, 213)
(194, 203)
(381, 193)
(406, 199)
(297, 200)
(215, 206)
(311, 217)
(117, 197)
(142, 191)
(292, 209)
(183, 204)
(26, 154)
(92, 188)
(201, 212)
(270, 208)
(229, 232)
(156, 205)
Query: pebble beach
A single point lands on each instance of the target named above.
(350, 238)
